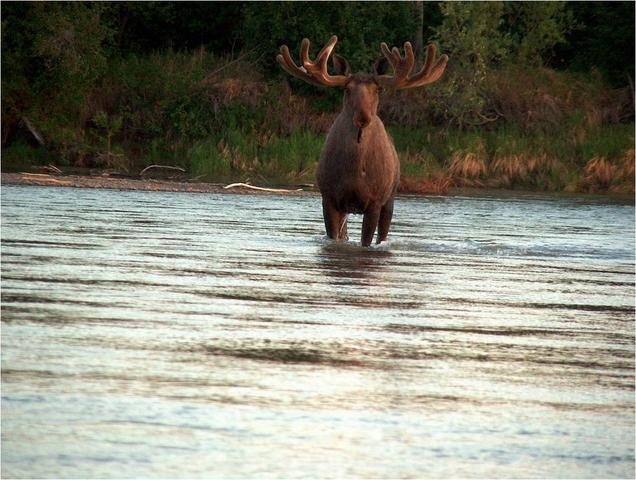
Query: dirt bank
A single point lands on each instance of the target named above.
(118, 183)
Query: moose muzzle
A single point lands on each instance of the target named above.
(361, 120)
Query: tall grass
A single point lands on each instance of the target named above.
(293, 156)
(290, 158)
(206, 161)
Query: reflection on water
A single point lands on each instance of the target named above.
(149, 334)
(349, 261)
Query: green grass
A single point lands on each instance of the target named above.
(531, 160)
(608, 141)
(207, 161)
(292, 157)
(21, 157)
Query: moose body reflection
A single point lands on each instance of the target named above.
(359, 170)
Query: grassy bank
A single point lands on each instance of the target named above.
(222, 121)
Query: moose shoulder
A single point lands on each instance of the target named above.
(359, 170)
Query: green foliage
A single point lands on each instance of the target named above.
(195, 84)
(207, 161)
(109, 124)
(607, 141)
(409, 139)
(602, 39)
(418, 149)
(70, 40)
(240, 153)
(189, 116)
(294, 155)
(21, 156)
(158, 93)
(480, 38)
(470, 33)
(54, 62)
(536, 29)
(360, 27)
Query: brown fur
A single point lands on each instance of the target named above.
(358, 177)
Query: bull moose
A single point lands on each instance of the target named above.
(359, 170)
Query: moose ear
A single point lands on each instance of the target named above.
(381, 66)
(341, 65)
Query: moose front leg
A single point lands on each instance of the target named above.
(335, 221)
(369, 224)
(386, 213)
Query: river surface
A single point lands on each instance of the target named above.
(172, 335)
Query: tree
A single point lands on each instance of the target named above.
(602, 38)
(536, 28)
(53, 55)
(481, 37)
(471, 33)
(360, 27)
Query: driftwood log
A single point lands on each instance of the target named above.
(261, 189)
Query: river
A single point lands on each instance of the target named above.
(186, 335)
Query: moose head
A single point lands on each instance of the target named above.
(358, 170)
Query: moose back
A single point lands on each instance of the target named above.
(359, 170)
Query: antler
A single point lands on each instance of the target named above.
(314, 72)
(402, 67)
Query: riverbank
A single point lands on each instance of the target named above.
(170, 178)
(195, 186)
(438, 186)
(561, 132)
(159, 185)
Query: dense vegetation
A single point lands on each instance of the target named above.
(537, 95)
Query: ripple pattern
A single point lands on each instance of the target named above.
(154, 334)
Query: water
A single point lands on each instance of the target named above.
(149, 334)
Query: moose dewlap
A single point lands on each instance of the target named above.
(359, 170)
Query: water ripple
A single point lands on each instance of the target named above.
(153, 334)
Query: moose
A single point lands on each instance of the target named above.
(359, 170)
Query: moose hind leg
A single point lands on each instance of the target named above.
(335, 221)
(369, 224)
(386, 214)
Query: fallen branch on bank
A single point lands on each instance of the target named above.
(52, 169)
(262, 189)
(33, 131)
(166, 167)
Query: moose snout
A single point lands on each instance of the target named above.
(361, 120)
